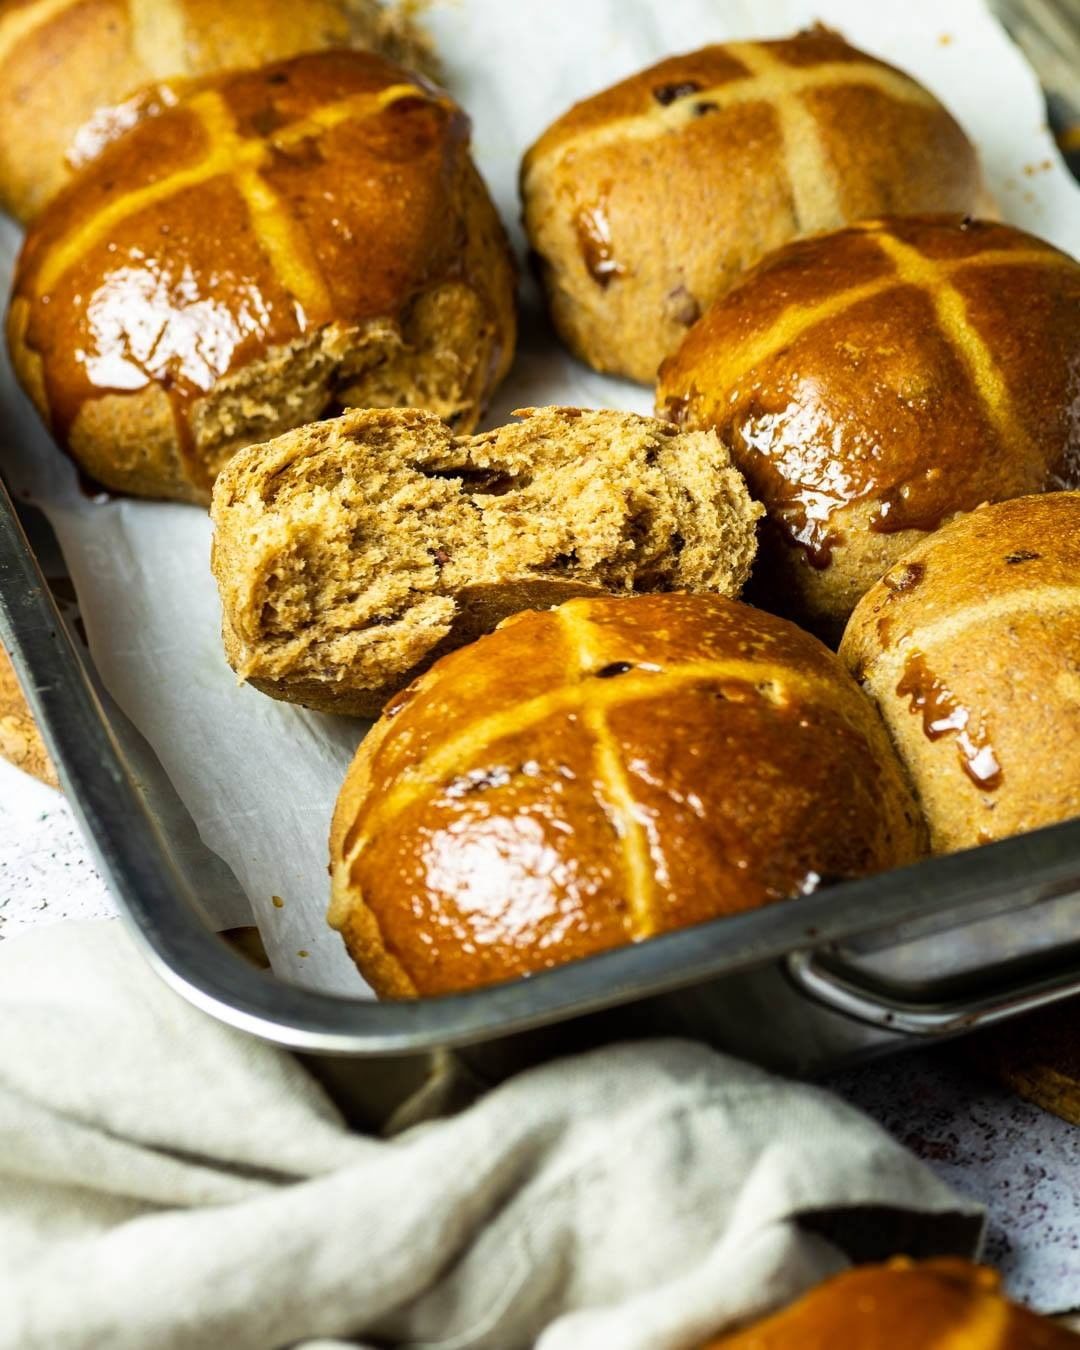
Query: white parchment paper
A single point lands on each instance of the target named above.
(260, 777)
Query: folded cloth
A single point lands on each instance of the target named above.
(166, 1181)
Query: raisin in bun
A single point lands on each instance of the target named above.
(350, 554)
(971, 647)
(873, 382)
(67, 65)
(644, 202)
(904, 1305)
(595, 774)
(275, 243)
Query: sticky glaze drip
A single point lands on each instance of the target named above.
(917, 505)
(807, 502)
(674, 409)
(942, 715)
(904, 578)
(146, 324)
(795, 463)
(594, 238)
(793, 468)
(803, 518)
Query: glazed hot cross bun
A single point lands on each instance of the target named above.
(595, 774)
(873, 382)
(259, 249)
(904, 1305)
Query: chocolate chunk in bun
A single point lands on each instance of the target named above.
(873, 382)
(265, 246)
(75, 71)
(646, 201)
(595, 774)
(970, 645)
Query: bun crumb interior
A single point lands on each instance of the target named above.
(351, 553)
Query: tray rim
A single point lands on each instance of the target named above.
(161, 909)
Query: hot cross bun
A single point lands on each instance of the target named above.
(68, 63)
(644, 202)
(970, 645)
(595, 774)
(260, 248)
(872, 382)
(904, 1305)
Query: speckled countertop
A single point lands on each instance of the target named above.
(1018, 1160)
(45, 869)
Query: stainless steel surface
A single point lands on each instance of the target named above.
(723, 980)
(838, 990)
(1048, 33)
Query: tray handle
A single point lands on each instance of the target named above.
(840, 991)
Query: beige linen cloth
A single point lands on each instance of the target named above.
(167, 1182)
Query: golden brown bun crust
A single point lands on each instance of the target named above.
(279, 240)
(872, 382)
(971, 647)
(595, 774)
(904, 1306)
(67, 63)
(350, 554)
(646, 201)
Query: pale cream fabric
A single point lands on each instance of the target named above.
(168, 1182)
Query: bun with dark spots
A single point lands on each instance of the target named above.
(264, 247)
(595, 774)
(970, 645)
(646, 201)
(873, 382)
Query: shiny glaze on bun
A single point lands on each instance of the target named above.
(970, 645)
(943, 1304)
(873, 382)
(261, 245)
(74, 70)
(595, 774)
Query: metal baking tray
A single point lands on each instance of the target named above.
(867, 966)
